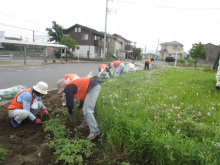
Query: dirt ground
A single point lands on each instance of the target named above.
(27, 144)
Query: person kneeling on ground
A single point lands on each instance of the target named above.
(118, 68)
(26, 104)
(106, 68)
(82, 89)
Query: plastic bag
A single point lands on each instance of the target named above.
(90, 74)
(10, 93)
(130, 67)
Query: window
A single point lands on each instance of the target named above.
(79, 29)
(75, 29)
(211, 51)
(164, 47)
(84, 37)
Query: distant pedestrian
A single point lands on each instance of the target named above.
(147, 63)
(106, 68)
(85, 89)
(118, 68)
(26, 104)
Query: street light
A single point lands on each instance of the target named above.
(66, 35)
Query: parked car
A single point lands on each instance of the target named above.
(170, 59)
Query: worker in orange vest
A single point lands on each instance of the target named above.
(118, 68)
(26, 104)
(70, 77)
(85, 89)
(147, 63)
(106, 68)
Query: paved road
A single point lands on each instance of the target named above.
(16, 73)
(30, 75)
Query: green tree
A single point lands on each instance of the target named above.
(68, 41)
(56, 32)
(137, 53)
(197, 52)
(216, 63)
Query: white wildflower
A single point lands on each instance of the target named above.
(209, 114)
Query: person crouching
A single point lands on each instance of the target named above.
(26, 104)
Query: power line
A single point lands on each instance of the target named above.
(169, 7)
(22, 28)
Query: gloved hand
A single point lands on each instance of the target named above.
(37, 121)
(45, 112)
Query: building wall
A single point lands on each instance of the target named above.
(211, 52)
(171, 52)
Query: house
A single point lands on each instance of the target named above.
(171, 49)
(126, 47)
(91, 42)
(211, 52)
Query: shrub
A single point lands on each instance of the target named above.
(191, 62)
(181, 61)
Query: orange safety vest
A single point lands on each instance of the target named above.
(102, 66)
(71, 76)
(148, 61)
(116, 63)
(82, 85)
(15, 105)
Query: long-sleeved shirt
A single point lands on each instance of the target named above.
(71, 89)
(26, 98)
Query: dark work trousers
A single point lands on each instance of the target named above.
(146, 65)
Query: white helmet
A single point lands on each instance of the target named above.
(41, 87)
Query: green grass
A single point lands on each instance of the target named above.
(164, 116)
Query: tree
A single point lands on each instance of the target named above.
(68, 41)
(56, 32)
(197, 52)
(137, 53)
(216, 63)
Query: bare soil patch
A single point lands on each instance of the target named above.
(27, 144)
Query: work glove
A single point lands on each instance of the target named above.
(37, 121)
(45, 112)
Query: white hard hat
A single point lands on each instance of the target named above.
(41, 87)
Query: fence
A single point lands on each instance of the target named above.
(6, 57)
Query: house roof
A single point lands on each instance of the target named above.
(117, 35)
(85, 27)
(96, 32)
(213, 45)
(171, 43)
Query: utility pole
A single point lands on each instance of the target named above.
(33, 35)
(106, 13)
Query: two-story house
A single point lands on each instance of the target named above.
(211, 52)
(91, 42)
(126, 47)
(171, 49)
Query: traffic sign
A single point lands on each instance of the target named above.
(77, 47)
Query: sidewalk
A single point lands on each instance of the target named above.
(37, 62)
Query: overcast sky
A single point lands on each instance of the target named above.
(141, 21)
